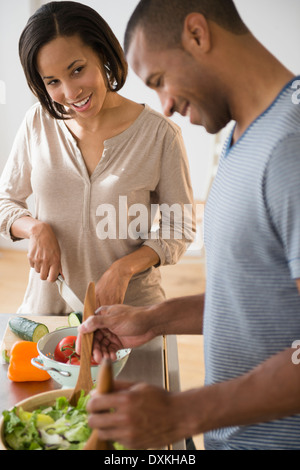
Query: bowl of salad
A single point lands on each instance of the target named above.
(46, 422)
(58, 357)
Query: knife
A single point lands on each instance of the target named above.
(68, 295)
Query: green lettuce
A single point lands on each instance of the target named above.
(58, 427)
(68, 429)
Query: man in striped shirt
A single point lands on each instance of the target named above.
(204, 63)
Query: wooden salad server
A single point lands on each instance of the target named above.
(84, 381)
(104, 385)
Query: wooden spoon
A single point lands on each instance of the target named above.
(84, 381)
(104, 385)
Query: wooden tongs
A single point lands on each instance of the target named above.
(85, 381)
(104, 385)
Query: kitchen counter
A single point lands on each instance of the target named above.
(155, 363)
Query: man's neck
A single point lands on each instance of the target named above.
(258, 80)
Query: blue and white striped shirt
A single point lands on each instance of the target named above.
(252, 237)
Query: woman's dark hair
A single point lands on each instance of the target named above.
(68, 19)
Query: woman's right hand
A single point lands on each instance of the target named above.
(44, 252)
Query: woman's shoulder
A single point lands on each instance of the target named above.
(160, 120)
(36, 115)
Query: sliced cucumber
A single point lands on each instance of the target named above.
(12, 441)
(27, 330)
(5, 356)
(75, 319)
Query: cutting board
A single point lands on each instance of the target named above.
(52, 322)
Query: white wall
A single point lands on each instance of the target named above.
(13, 14)
(274, 22)
(13, 17)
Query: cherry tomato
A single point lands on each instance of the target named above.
(74, 360)
(65, 348)
(65, 352)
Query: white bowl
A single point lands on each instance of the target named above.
(66, 374)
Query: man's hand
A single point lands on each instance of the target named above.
(122, 326)
(117, 327)
(138, 416)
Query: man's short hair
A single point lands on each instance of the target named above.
(162, 20)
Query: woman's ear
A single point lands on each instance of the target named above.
(196, 35)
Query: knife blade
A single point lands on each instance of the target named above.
(68, 295)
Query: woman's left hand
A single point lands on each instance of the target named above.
(112, 286)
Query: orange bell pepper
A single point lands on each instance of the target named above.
(20, 368)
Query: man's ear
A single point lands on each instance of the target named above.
(196, 35)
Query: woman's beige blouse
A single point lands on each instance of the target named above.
(101, 218)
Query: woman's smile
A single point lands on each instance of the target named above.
(82, 105)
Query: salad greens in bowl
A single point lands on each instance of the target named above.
(46, 422)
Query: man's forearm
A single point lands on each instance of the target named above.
(270, 391)
(179, 316)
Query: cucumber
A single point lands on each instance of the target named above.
(27, 330)
(12, 441)
(75, 319)
(5, 356)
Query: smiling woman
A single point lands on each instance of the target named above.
(65, 20)
(79, 86)
(51, 81)
(80, 135)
